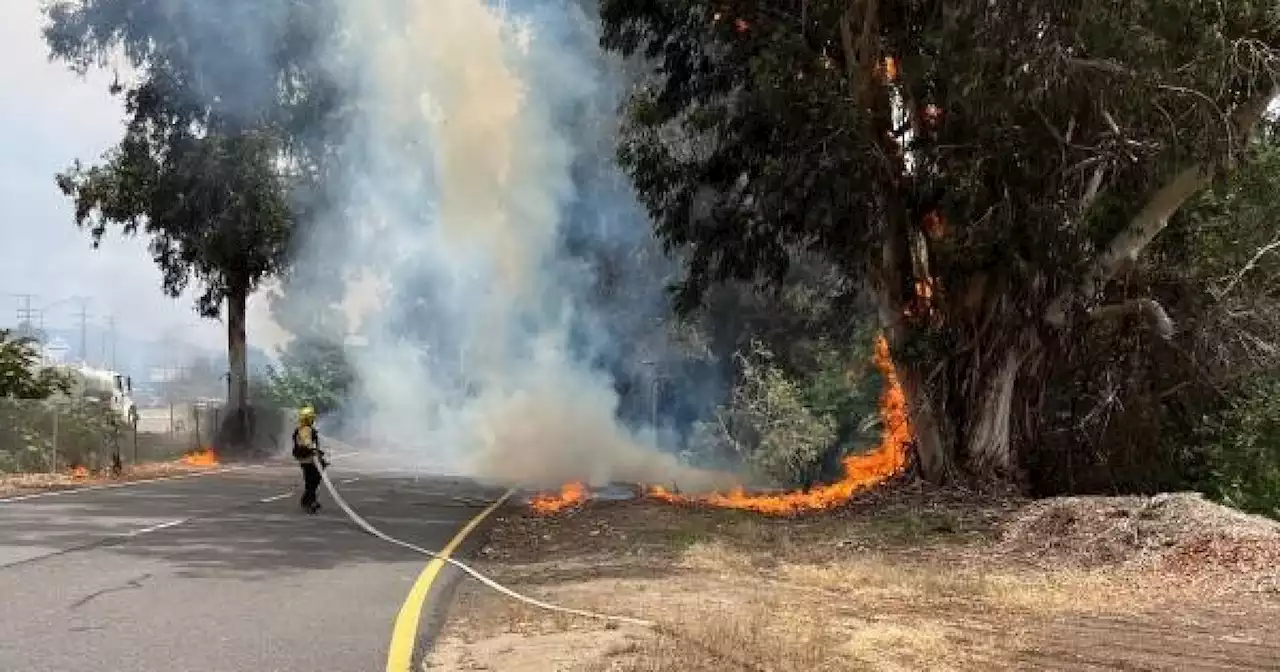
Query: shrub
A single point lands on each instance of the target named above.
(1243, 448)
(34, 433)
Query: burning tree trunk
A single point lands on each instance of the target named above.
(934, 447)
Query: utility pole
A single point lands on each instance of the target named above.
(84, 331)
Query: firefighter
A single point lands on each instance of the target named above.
(306, 450)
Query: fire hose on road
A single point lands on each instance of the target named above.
(367, 527)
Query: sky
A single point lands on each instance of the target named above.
(49, 117)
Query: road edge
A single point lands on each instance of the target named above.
(404, 631)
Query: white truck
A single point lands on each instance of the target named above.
(105, 386)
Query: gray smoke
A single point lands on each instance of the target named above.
(478, 149)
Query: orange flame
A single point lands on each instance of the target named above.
(889, 69)
(570, 495)
(205, 457)
(922, 303)
(860, 471)
(79, 472)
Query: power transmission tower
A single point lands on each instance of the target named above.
(84, 331)
(27, 316)
(25, 311)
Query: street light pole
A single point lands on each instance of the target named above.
(654, 378)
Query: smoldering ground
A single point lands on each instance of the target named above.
(476, 156)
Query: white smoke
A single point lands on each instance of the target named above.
(461, 171)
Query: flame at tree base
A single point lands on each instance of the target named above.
(861, 472)
(204, 457)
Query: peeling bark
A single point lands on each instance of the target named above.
(989, 442)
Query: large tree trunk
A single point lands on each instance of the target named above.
(237, 431)
(966, 431)
(935, 448)
(237, 350)
(989, 439)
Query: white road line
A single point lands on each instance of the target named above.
(154, 528)
(128, 484)
(276, 498)
(175, 523)
(159, 526)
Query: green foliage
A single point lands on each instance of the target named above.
(997, 160)
(314, 372)
(225, 127)
(769, 425)
(766, 129)
(790, 438)
(1135, 412)
(845, 387)
(214, 207)
(788, 427)
(1244, 448)
(21, 375)
(227, 98)
(83, 433)
(1218, 271)
(1222, 241)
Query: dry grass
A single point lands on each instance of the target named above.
(923, 582)
(20, 484)
(760, 636)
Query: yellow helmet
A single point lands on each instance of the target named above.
(306, 415)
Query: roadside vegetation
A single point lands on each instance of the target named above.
(51, 440)
(912, 578)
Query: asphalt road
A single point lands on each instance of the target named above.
(218, 573)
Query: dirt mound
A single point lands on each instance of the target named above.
(1182, 531)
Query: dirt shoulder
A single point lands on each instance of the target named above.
(909, 580)
(12, 485)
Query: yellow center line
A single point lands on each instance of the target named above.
(404, 634)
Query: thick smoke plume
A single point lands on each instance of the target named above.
(477, 151)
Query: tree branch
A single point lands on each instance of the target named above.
(1150, 309)
(1104, 65)
(1091, 190)
(1262, 251)
(1154, 217)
